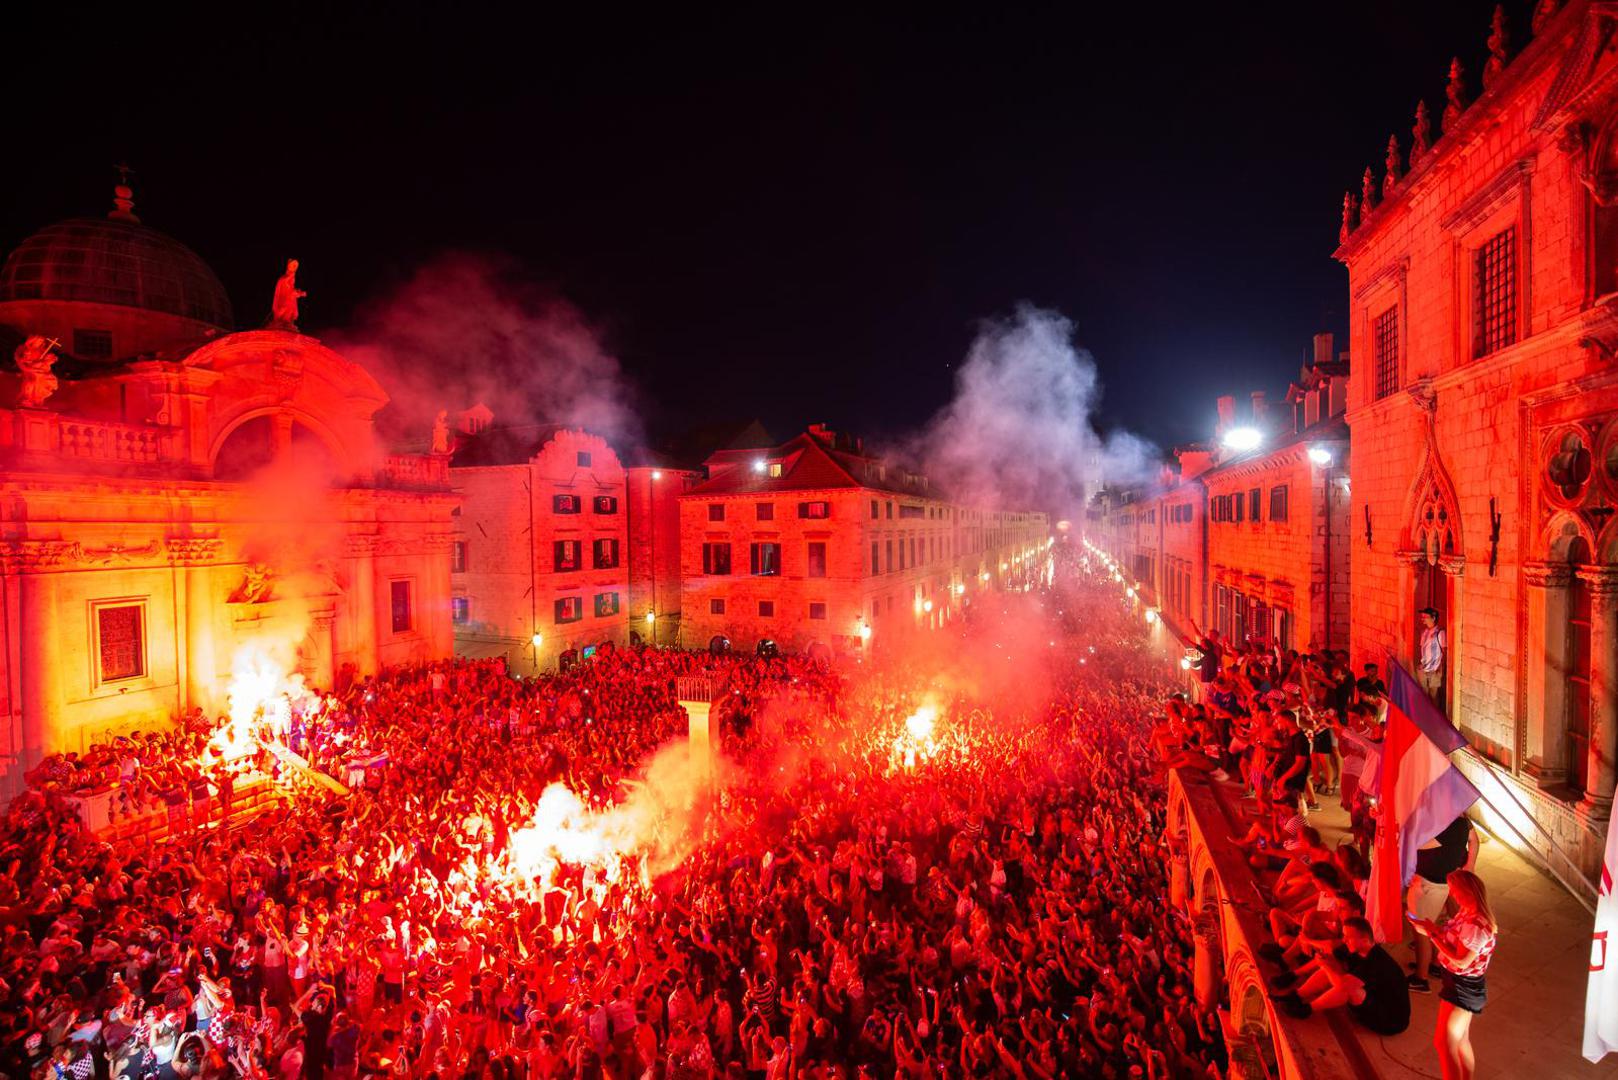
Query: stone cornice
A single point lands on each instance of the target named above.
(1546, 575)
(195, 550)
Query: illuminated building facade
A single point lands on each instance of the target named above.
(540, 546)
(653, 492)
(1483, 290)
(815, 544)
(176, 492)
(1249, 535)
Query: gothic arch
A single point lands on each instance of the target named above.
(1432, 514)
(1559, 534)
(1606, 546)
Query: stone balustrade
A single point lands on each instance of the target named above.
(101, 440)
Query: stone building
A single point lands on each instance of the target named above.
(1483, 290)
(539, 561)
(814, 543)
(1248, 536)
(654, 488)
(177, 495)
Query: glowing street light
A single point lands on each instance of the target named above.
(865, 632)
(1320, 456)
(759, 466)
(537, 640)
(1151, 617)
(1243, 438)
(651, 617)
(927, 606)
(657, 474)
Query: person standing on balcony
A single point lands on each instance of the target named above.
(1430, 664)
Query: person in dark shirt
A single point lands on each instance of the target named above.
(1453, 849)
(1365, 980)
(1370, 684)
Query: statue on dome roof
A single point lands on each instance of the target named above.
(441, 432)
(284, 307)
(35, 359)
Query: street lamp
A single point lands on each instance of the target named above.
(1242, 439)
(651, 617)
(1320, 455)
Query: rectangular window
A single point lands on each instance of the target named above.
(911, 512)
(565, 504)
(889, 561)
(583, 459)
(120, 632)
(775, 469)
(716, 606)
(875, 510)
(605, 554)
(1385, 344)
(766, 511)
(606, 604)
(569, 609)
(1240, 504)
(716, 559)
(716, 511)
(460, 610)
(913, 551)
(901, 553)
(764, 560)
(1278, 503)
(403, 616)
(817, 559)
(457, 557)
(92, 344)
(890, 511)
(564, 556)
(1497, 293)
(817, 611)
(816, 510)
(876, 557)
(1254, 499)
(606, 504)
(766, 609)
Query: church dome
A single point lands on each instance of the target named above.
(117, 261)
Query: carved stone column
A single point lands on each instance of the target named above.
(1547, 661)
(362, 616)
(38, 654)
(1603, 750)
(197, 556)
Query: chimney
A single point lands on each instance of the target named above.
(1323, 348)
(1227, 415)
(1260, 413)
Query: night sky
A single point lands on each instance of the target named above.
(791, 214)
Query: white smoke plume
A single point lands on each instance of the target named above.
(466, 329)
(1020, 432)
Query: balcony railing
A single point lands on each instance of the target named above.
(105, 440)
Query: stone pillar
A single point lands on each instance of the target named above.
(196, 556)
(360, 552)
(1603, 761)
(1546, 655)
(41, 663)
(1206, 984)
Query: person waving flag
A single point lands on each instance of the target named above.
(1420, 793)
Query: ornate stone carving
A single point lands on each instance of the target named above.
(1544, 12)
(359, 547)
(118, 553)
(35, 359)
(284, 305)
(1350, 218)
(195, 550)
(1422, 393)
(1455, 96)
(1367, 191)
(1421, 133)
(1390, 178)
(1499, 42)
(258, 585)
(1547, 575)
(36, 556)
(441, 432)
(1602, 582)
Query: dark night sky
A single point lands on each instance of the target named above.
(796, 214)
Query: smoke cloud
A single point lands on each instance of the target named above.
(466, 329)
(1020, 432)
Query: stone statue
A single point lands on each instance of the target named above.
(1390, 179)
(34, 359)
(441, 432)
(1422, 131)
(1455, 92)
(1499, 42)
(1367, 191)
(284, 308)
(256, 584)
(1350, 217)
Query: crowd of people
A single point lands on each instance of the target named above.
(1290, 728)
(850, 896)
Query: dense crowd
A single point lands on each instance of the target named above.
(853, 894)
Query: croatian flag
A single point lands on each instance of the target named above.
(1601, 994)
(1420, 792)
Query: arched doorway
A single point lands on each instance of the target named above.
(1431, 550)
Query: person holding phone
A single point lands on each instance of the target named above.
(1464, 945)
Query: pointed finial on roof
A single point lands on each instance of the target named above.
(1543, 14)
(1390, 179)
(1456, 93)
(123, 196)
(1350, 217)
(1367, 191)
(1422, 133)
(1498, 42)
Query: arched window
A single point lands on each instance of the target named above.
(1578, 669)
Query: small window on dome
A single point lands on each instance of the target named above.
(92, 344)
